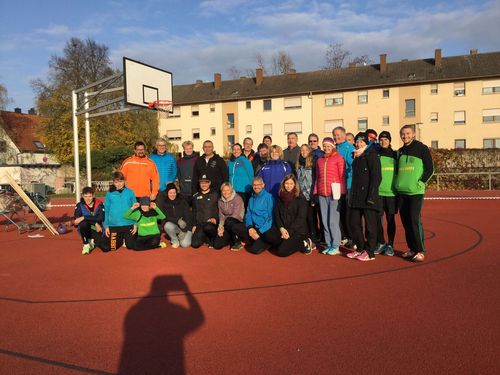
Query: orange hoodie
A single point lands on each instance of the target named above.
(141, 176)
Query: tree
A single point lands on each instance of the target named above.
(4, 97)
(82, 63)
(337, 57)
(282, 63)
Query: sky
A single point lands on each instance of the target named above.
(195, 39)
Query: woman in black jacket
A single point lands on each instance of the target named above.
(291, 219)
(364, 200)
(179, 220)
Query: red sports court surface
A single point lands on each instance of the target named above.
(174, 311)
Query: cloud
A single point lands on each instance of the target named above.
(55, 30)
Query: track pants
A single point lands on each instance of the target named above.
(116, 238)
(389, 210)
(293, 244)
(410, 211)
(204, 233)
(233, 230)
(344, 216)
(270, 238)
(146, 242)
(86, 232)
(330, 215)
(371, 217)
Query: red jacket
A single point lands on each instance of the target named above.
(330, 168)
(141, 176)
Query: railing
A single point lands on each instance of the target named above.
(101, 185)
(465, 177)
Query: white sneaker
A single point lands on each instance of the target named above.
(86, 249)
(175, 244)
(92, 244)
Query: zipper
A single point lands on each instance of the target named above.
(324, 174)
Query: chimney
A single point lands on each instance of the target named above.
(198, 83)
(473, 51)
(259, 76)
(352, 65)
(437, 57)
(292, 73)
(217, 80)
(32, 111)
(18, 110)
(383, 63)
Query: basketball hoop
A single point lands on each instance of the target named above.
(162, 105)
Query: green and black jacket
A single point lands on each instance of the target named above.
(388, 163)
(414, 169)
(147, 222)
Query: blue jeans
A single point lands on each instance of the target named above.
(330, 216)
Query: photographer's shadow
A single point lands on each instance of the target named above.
(155, 329)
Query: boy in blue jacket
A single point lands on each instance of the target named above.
(117, 229)
(89, 215)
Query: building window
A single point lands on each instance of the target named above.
(459, 143)
(293, 103)
(176, 112)
(295, 127)
(248, 104)
(434, 144)
(385, 93)
(267, 105)
(267, 129)
(410, 108)
(230, 120)
(230, 141)
(248, 129)
(491, 115)
(491, 87)
(459, 118)
(212, 107)
(39, 145)
(195, 110)
(491, 143)
(332, 124)
(459, 89)
(3, 146)
(385, 120)
(196, 133)
(174, 135)
(363, 123)
(434, 89)
(334, 99)
(362, 97)
(434, 117)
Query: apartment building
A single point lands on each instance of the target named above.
(453, 102)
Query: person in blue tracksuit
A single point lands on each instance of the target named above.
(274, 170)
(240, 173)
(167, 167)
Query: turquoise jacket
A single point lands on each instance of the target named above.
(260, 210)
(116, 204)
(240, 174)
(346, 149)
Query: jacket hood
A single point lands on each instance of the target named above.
(231, 197)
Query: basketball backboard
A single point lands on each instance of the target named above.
(145, 84)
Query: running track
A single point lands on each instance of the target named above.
(176, 311)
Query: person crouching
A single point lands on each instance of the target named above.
(205, 214)
(146, 214)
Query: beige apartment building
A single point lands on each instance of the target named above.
(454, 102)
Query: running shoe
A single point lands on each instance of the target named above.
(419, 257)
(326, 249)
(409, 255)
(236, 247)
(333, 251)
(344, 242)
(92, 244)
(175, 244)
(364, 257)
(86, 249)
(389, 250)
(163, 245)
(354, 254)
(379, 248)
(308, 246)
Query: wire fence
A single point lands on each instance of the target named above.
(465, 181)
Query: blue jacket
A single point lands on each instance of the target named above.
(240, 174)
(319, 153)
(273, 173)
(346, 149)
(260, 210)
(167, 168)
(115, 206)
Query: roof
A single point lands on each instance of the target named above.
(22, 130)
(468, 67)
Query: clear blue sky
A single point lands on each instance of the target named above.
(195, 39)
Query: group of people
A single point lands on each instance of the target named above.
(282, 200)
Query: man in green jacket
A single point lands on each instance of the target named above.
(387, 192)
(414, 170)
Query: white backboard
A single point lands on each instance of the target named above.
(144, 83)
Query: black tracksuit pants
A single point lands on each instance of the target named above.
(116, 238)
(270, 238)
(204, 233)
(291, 245)
(145, 242)
(86, 232)
(410, 208)
(344, 217)
(233, 229)
(371, 217)
(389, 210)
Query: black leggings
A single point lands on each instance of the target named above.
(356, 226)
(233, 230)
(204, 233)
(272, 237)
(86, 232)
(409, 210)
(291, 245)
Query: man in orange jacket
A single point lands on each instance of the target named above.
(140, 173)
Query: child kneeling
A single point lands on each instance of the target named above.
(146, 214)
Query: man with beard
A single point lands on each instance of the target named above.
(212, 166)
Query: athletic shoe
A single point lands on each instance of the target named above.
(364, 257)
(379, 248)
(92, 244)
(344, 242)
(419, 257)
(86, 249)
(333, 251)
(326, 250)
(354, 254)
(175, 244)
(389, 250)
(308, 246)
(409, 255)
(163, 245)
(236, 247)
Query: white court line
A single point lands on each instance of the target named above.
(50, 205)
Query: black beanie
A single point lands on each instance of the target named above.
(385, 134)
(171, 186)
(361, 136)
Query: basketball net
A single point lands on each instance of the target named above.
(164, 107)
